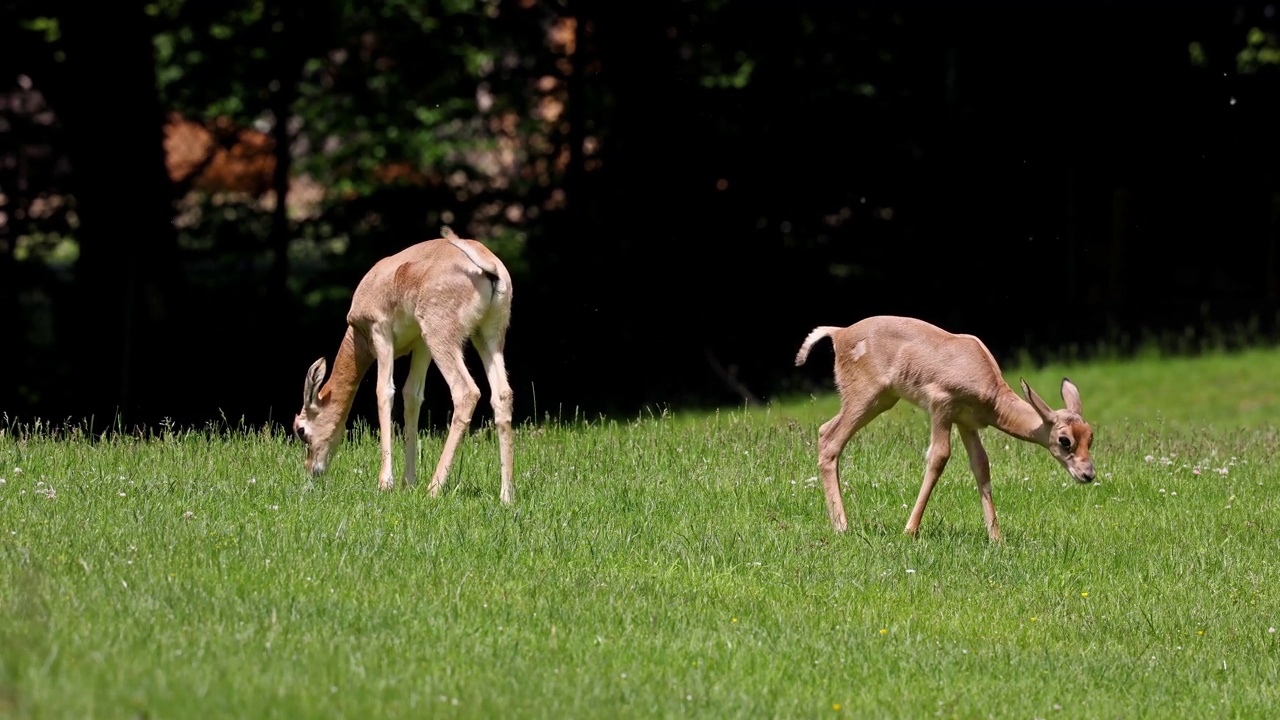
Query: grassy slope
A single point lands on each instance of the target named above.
(664, 567)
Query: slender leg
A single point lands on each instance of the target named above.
(939, 453)
(489, 345)
(982, 473)
(465, 395)
(856, 410)
(386, 391)
(413, 392)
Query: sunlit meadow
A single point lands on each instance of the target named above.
(667, 566)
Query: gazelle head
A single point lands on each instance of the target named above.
(316, 424)
(1068, 435)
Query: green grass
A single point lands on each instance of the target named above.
(664, 567)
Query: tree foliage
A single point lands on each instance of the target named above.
(681, 189)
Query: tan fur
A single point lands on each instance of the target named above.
(956, 380)
(425, 301)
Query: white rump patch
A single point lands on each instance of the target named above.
(859, 350)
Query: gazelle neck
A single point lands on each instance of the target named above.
(1016, 417)
(349, 366)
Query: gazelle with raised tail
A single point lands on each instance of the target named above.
(426, 301)
(954, 378)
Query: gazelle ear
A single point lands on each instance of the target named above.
(1071, 396)
(311, 388)
(1042, 409)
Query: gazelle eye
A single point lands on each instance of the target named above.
(1065, 442)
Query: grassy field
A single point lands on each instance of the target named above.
(665, 567)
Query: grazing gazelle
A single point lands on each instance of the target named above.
(956, 380)
(428, 300)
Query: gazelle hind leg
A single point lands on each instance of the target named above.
(857, 408)
(465, 395)
(490, 347)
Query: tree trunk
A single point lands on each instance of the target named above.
(1120, 230)
(289, 58)
(278, 276)
(128, 278)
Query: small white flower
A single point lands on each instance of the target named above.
(275, 507)
(1149, 458)
(121, 493)
(188, 515)
(910, 571)
(1271, 630)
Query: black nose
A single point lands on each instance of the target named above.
(1088, 477)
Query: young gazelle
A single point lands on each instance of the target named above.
(956, 380)
(428, 300)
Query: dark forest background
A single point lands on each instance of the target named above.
(682, 189)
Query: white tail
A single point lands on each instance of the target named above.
(424, 301)
(955, 379)
(486, 265)
(817, 334)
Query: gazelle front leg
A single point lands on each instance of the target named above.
(937, 456)
(982, 473)
(386, 390)
(413, 392)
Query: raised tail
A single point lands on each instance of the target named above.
(817, 334)
(486, 265)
